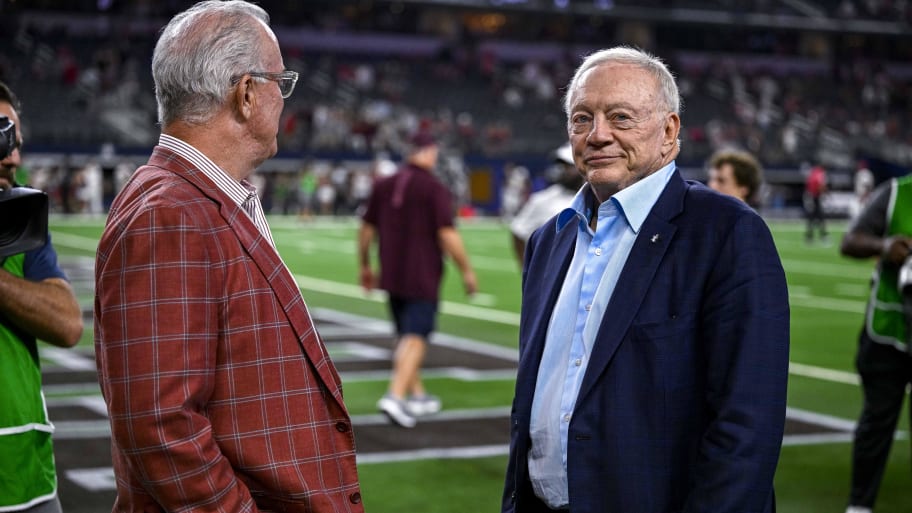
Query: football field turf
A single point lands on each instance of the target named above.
(455, 462)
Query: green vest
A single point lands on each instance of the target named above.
(27, 474)
(886, 322)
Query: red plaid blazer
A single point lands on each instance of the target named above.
(220, 392)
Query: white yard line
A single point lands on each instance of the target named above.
(67, 359)
(478, 451)
(824, 374)
(842, 271)
(446, 307)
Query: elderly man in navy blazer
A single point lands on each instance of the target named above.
(655, 323)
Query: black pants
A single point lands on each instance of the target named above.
(816, 218)
(885, 371)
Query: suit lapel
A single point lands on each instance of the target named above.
(267, 260)
(647, 252)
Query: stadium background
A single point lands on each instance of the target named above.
(798, 82)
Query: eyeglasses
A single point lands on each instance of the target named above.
(286, 79)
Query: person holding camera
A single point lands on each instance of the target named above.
(36, 303)
(883, 229)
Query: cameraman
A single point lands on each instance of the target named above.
(883, 229)
(36, 302)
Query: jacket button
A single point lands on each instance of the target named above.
(355, 498)
(341, 427)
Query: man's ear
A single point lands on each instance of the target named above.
(672, 133)
(244, 98)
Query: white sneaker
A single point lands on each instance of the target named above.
(397, 411)
(427, 404)
(858, 509)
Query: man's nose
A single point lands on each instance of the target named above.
(601, 132)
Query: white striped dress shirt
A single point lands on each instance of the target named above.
(243, 193)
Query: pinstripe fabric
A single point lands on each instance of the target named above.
(220, 392)
(243, 193)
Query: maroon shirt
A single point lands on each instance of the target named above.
(408, 209)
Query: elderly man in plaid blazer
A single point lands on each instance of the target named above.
(220, 392)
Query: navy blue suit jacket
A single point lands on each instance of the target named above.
(682, 407)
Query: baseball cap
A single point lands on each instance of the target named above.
(564, 154)
(421, 139)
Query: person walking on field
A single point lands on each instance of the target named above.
(410, 215)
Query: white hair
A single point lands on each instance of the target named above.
(199, 52)
(634, 56)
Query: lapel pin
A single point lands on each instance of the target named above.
(655, 238)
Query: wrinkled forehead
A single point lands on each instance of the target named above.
(617, 82)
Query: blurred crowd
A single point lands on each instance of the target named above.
(371, 78)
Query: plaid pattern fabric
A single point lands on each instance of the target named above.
(220, 392)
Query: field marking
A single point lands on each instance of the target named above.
(101, 477)
(101, 428)
(828, 438)
(82, 429)
(824, 374)
(72, 389)
(816, 439)
(458, 373)
(499, 264)
(311, 246)
(820, 419)
(70, 240)
(798, 297)
(431, 453)
(291, 222)
(488, 349)
(826, 303)
(482, 299)
(852, 289)
(67, 359)
(357, 352)
(811, 267)
(443, 339)
(95, 479)
(494, 412)
(93, 403)
(446, 307)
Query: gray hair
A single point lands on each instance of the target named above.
(199, 52)
(636, 57)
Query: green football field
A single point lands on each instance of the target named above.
(827, 296)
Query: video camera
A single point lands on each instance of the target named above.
(7, 137)
(23, 211)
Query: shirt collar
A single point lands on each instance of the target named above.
(634, 202)
(239, 192)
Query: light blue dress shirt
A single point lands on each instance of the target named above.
(575, 321)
